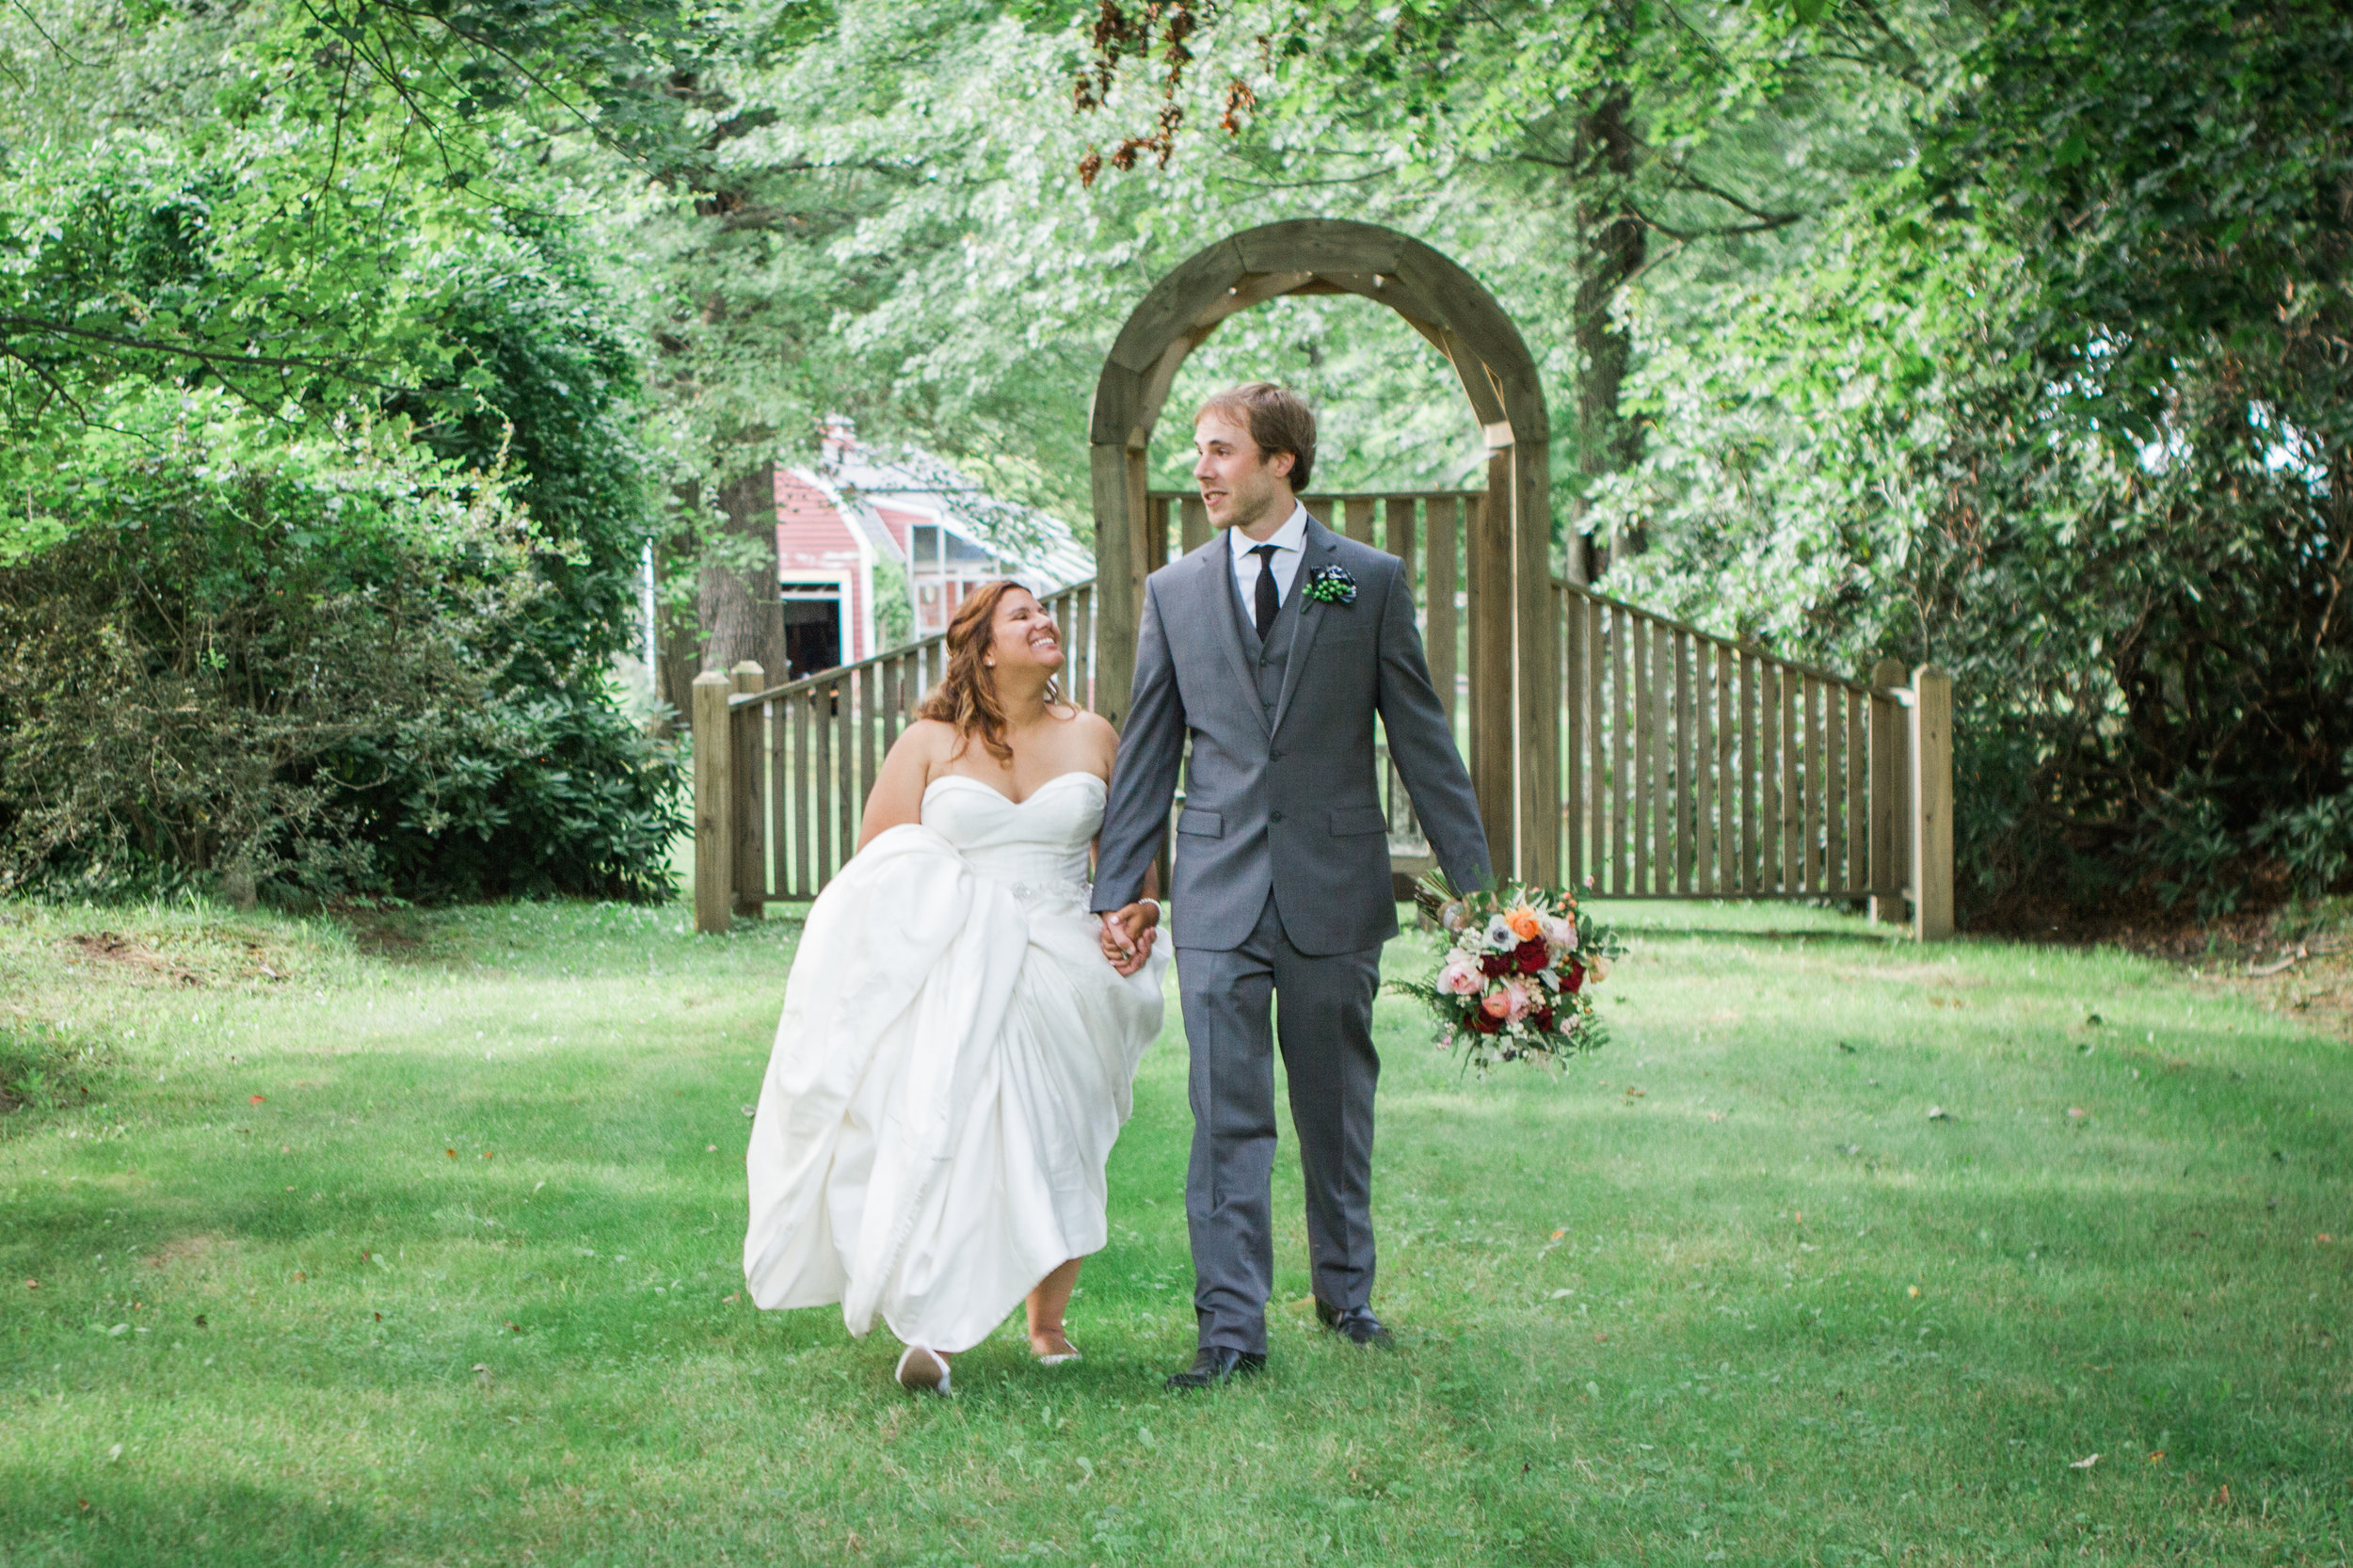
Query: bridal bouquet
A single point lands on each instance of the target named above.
(1514, 974)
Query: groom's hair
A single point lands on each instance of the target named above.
(1278, 420)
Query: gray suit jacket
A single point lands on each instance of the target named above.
(1286, 802)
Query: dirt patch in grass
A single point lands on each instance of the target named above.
(141, 963)
(2316, 989)
(197, 1248)
(133, 958)
(395, 936)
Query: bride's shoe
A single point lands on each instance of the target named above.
(922, 1372)
(1070, 1352)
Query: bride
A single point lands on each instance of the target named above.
(956, 1054)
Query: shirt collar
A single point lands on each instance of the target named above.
(1292, 536)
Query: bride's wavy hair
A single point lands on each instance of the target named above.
(967, 693)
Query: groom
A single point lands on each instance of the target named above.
(1272, 647)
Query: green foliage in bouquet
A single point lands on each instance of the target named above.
(1516, 966)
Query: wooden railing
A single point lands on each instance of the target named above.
(1691, 766)
(781, 773)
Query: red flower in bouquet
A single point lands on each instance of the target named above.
(1573, 977)
(1542, 1017)
(1484, 1022)
(1532, 956)
(1493, 963)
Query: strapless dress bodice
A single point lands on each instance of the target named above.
(1037, 847)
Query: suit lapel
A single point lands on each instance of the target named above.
(1321, 551)
(1216, 580)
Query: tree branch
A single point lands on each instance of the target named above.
(186, 351)
(1685, 236)
(1688, 181)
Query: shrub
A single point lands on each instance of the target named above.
(303, 676)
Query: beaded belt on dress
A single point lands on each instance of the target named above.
(1056, 887)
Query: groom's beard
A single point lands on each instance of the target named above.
(1273, 505)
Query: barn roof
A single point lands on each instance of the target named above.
(1037, 546)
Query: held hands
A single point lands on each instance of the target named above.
(1128, 932)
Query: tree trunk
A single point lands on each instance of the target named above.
(678, 637)
(678, 657)
(741, 614)
(1616, 245)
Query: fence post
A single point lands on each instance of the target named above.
(1891, 797)
(750, 875)
(714, 838)
(1931, 803)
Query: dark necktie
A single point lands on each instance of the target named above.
(1265, 606)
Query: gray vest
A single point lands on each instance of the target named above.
(1270, 659)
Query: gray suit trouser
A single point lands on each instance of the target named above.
(1322, 1013)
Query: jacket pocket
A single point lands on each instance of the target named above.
(1208, 824)
(1348, 821)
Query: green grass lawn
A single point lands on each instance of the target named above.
(421, 1246)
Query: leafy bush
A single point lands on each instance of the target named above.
(2314, 843)
(302, 676)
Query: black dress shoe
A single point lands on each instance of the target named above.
(1216, 1364)
(1355, 1325)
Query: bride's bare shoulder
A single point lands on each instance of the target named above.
(1095, 732)
(927, 740)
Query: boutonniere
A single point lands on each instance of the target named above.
(1332, 585)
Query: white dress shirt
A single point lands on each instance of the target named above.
(1290, 547)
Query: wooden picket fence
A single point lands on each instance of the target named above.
(1696, 767)
(1690, 766)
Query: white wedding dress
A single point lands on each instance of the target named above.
(953, 1062)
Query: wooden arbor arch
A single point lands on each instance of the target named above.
(1515, 695)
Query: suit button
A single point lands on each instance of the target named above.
(1274, 756)
(1274, 816)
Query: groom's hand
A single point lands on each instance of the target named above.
(1127, 935)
